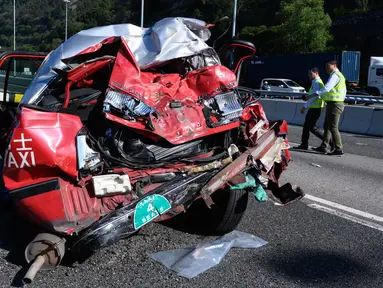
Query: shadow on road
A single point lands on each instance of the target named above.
(15, 234)
(314, 266)
(306, 151)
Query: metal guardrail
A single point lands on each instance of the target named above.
(355, 99)
(364, 99)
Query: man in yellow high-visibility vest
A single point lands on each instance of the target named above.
(315, 106)
(334, 94)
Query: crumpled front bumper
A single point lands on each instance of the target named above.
(263, 157)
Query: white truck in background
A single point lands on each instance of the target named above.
(295, 67)
(375, 76)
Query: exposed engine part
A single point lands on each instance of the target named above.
(210, 166)
(161, 153)
(134, 152)
(111, 184)
(158, 178)
(46, 252)
(155, 178)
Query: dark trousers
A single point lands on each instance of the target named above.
(310, 125)
(331, 125)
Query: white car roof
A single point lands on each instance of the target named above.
(281, 79)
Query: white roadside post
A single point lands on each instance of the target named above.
(14, 35)
(142, 13)
(14, 24)
(234, 17)
(66, 18)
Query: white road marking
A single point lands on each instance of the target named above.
(348, 217)
(345, 208)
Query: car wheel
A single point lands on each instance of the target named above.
(223, 217)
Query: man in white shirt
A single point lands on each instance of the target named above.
(333, 93)
(315, 106)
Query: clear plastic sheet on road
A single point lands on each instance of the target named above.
(192, 261)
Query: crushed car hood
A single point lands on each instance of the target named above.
(167, 39)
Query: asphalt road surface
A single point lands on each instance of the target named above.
(332, 238)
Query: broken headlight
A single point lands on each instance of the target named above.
(222, 109)
(88, 160)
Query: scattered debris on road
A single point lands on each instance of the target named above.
(316, 165)
(192, 261)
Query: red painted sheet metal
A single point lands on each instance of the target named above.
(22, 55)
(176, 134)
(284, 128)
(42, 144)
(264, 144)
(157, 90)
(177, 125)
(80, 204)
(69, 208)
(42, 208)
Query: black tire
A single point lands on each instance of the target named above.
(223, 217)
(231, 215)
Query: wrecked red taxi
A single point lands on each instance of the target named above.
(123, 126)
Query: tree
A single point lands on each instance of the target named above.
(305, 26)
(363, 4)
(300, 26)
(95, 12)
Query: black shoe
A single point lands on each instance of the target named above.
(336, 153)
(301, 147)
(320, 149)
